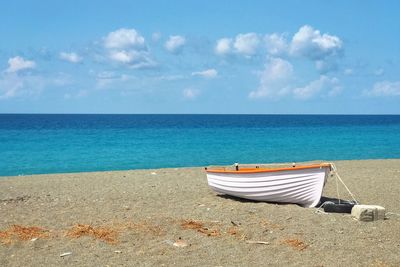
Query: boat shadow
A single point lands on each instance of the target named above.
(244, 200)
(334, 200)
(321, 202)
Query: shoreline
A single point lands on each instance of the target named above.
(2, 177)
(135, 217)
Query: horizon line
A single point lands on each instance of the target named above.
(222, 114)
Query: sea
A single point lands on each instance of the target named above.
(54, 143)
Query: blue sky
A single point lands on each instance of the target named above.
(258, 57)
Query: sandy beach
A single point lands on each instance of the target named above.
(170, 217)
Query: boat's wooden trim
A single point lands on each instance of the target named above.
(261, 170)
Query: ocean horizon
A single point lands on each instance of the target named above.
(63, 143)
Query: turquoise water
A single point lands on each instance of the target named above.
(32, 144)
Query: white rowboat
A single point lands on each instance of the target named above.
(299, 184)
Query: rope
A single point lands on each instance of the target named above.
(392, 213)
(337, 190)
(320, 209)
(340, 179)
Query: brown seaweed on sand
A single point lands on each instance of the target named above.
(103, 233)
(22, 233)
(199, 227)
(295, 243)
(5, 237)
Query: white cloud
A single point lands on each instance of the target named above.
(123, 39)
(175, 43)
(124, 56)
(16, 83)
(223, 46)
(384, 88)
(128, 47)
(13, 85)
(274, 79)
(190, 93)
(16, 64)
(209, 73)
(246, 44)
(324, 84)
(307, 43)
(132, 58)
(324, 49)
(311, 44)
(276, 44)
(70, 57)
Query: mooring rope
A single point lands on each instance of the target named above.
(337, 190)
(334, 169)
(320, 209)
(392, 213)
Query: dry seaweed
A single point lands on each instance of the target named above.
(295, 243)
(199, 227)
(105, 234)
(5, 237)
(19, 232)
(191, 224)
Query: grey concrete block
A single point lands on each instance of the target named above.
(368, 213)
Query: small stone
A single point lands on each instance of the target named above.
(65, 254)
(180, 243)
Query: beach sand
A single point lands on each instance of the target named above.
(134, 218)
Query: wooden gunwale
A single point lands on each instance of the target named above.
(245, 170)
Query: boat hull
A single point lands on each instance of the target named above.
(299, 186)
